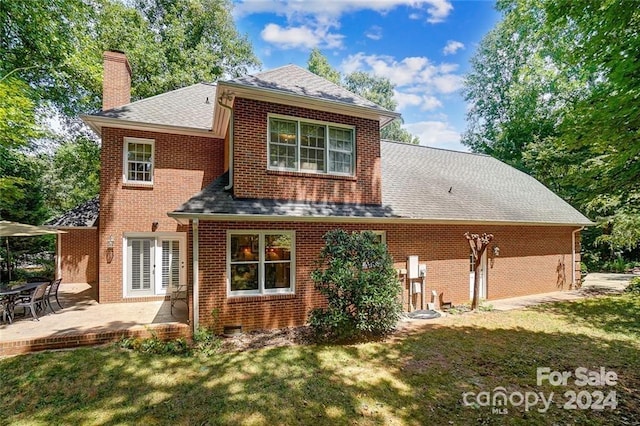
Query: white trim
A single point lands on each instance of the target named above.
(573, 255)
(196, 274)
(384, 117)
(298, 148)
(262, 291)
(97, 123)
(183, 219)
(125, 160)
(157, 238)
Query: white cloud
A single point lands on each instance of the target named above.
(452, 47)
(374, 33)
(418, 81)
(408, 100)
(313, 19)
(300, 37)
(448, 83)
(437, 134)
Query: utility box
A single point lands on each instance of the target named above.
(417, 287)
(423, 270)
(413, 267)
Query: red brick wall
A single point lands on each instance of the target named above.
(183, 166)
(253, 180)
(532, 260)
(78, 255)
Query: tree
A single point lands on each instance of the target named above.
(357, 277)
(478, 244)
(376, 89)
(553, 91)
(72, 174)
(319, 65)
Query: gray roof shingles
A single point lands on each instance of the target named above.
(419, 183)
(83, 215)
(188, 107)
(295, 80)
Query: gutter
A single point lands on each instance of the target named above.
(183, 218)
(228, 96)
(573, 255)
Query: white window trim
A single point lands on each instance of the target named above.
(327, 126)
(261, 262)
(157, 237)
(125, 159)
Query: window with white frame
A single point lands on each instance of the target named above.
(260, 262)
(138, 160)
(312, 146)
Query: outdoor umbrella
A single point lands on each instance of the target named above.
(15, 229)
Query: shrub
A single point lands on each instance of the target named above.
(634, 286)
(356, 275)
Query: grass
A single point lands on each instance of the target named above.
(415, 378)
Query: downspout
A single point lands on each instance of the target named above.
(573, 255)
(227, 96)
(196, 274)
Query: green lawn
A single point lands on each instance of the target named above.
(413, 379)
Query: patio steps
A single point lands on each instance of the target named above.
(164, 331)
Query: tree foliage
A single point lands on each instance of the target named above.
(357, 277)
(554, 90)
(319, 65)
(376, 89)
(51, 64)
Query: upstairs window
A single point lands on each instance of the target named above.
(138, 160)
(310, 146)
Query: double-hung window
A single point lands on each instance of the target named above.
(311, 146)
(260, 262)
(138, 160)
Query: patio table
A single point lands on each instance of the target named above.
(9, 294)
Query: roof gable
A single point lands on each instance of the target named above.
(299, 81)
(190, 107)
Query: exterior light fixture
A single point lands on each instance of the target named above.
(496, 251)
(110, 242)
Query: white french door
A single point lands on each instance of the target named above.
(154, 265)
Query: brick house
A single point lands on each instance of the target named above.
(229, 187)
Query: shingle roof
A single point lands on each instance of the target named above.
(190, 107)
(215, 200)
(420, 183)
(299, 81)
(83, 215)
(438, 184)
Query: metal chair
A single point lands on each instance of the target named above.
(35, 301)
(52, 291)
(6, 308)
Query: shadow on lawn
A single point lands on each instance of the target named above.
(614, 314)
(416, 380)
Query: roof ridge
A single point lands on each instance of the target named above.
(479, 154)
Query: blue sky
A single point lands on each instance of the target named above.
(423, 47)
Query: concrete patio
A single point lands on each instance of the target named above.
(83, 321)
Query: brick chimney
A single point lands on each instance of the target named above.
(116, 80)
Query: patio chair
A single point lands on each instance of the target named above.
(52, 291)
(179, 294)
(6, 309)
(443, 304)
(35, 301)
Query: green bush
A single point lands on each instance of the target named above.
(356, 275)
(634, 286)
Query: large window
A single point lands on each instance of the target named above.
(298, 145)
(260, 262)
(138, 160)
